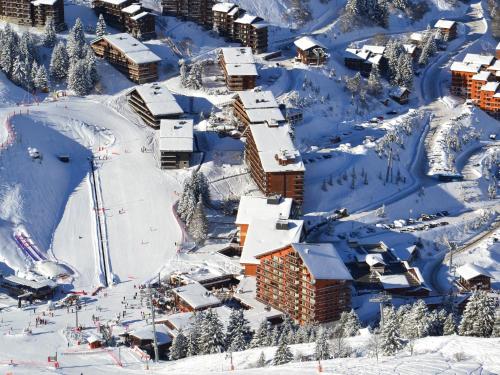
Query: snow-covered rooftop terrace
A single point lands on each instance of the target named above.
(176, 135)
(159, 100)
(259, 208)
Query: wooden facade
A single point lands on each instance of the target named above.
(481, 282)
(137, 70)
(447, 28)
(140, 25)
(33, 13)
(112, 11)
(285, 283)
(310, 51)
(240, 71)
(199, 11)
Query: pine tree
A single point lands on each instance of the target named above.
(179, 347)
(417, 322)
(100, 29)
(78, 78)
(238, 331)
(59, 63)
(390, 337)
(393, 51)
(449, 327)
(19, 71)
(374, 84)
(211, 337)
(283, 353)
(274, 337)
(194, 78)
(322, 348)
(198, 224)
(354, 84)
(41, 81)
(49, 38)
(261, 337)
(349, 323)
(479, 316)
(90, 63)
(193, 347)
(76, 41)
(261, 362)
(183, 70)
(405, 73)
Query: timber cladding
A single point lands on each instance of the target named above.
(33, 13)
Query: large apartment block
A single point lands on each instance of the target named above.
(309, 282)
(199, 11)
(238, 66)
(33, 13)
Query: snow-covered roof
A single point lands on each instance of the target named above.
(481, 76)
(258, 208)
(474, 58)
(373, 259)
(176, 135)
(490, 86)
(223, 7)
(237, 55)
(444, 24)
(306, 42)
(355, 53)
(257, 99)
(495, 66)
(263, 237)
(268, 115)
(163, 336)
(394, 281)
(417, 37)
(241, 70)
(410, 48)
(377, 50)
(459, 66)
(234, 11)
(159, 100)
(247, 19)
(469, 271)
(93, 338)
(33, 284)
(404, 253)
(323, 261)
(140, 15)
(114, 2)
(50, 269)
(131, 48)
(132, 9)
(44, 2)
(398, 91)
(375, 59)
(196, 296)
(275, 145)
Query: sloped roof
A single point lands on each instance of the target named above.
(131, 48)
(257, 99)
(323, 261)
(237, 55)
(263, 237)
(306, 42)
(474, 58)
(481, 76)
(394, 281)
(372, 259)
(163, 336)
(242, 70)
(223, 7)
(159, 100)
(465, 67)
(444, 24)
(196, 296)
(176, 135)
(377, 50)
(404, 253)
(258, 208)
(469, 271)
(490, 86)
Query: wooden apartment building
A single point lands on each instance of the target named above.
(447, 28)
(472, 277)
(33, 13)
(127, 16)
(199, 11)
(238, 66)
(153, 103)
(129, 56)
(175, 144)
(310, 282)
(310, 51)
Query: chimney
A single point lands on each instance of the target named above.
(274, 199)
(282, 224)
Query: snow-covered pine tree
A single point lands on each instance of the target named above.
(200, 186)
(283, 353)
(238, 331)
(76, 41)
(405, 74)
(198, 224)
(49, 38)
(19, 71)
(100, 29)
(274, 336)
(390, 339)
(33, 70)
(211, 336)
(179, 347)
(417, 322)
(322, 347)
(478, 318)
(194, 79)
(193, 337)
(302, 335)
(261, 362)
(286, 327)
(349, 323)
(353, 84)
(26, 47)
(393, 51)
(59, 63)
(78, 78)
(261, 336)
(449, 327)
(90, 62)
(183, 71)
(374, 84)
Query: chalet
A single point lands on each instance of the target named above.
(447, 28)
(400, 95)
(309, 282)
(268, 235)
(128, 55)
(417, 39)
(143, 338)
(238, 65)
(251, 31)
(194, 297)
(33, 12)
(94, 341)
(138, 22)
(28, 289)
(473, 277)
(257, 108)
(310, 51)
(405, 254)
(363, 59)
(112, 11)
(153, 103)
(175, 143)
(199, 11)
(253, 209)
(411, 50)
